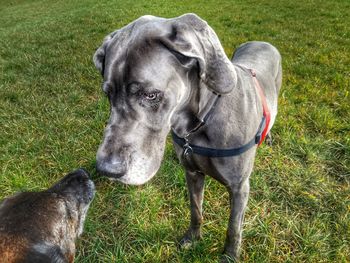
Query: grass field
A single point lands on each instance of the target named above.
(52, 114)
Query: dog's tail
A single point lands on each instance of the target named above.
(278, 75)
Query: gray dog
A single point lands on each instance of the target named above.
(162, 74)
(43, 226)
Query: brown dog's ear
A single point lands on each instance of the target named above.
(193, 38)
(99, 56)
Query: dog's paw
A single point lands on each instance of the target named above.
(185, 243)
(189, 238)
(228, 259)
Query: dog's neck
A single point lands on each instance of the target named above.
(199, 106)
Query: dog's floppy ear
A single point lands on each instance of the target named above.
(194, 38)
(99, 56)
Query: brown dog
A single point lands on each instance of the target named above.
(43, 226)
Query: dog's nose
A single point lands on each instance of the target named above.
(82, 172)
(114, 168)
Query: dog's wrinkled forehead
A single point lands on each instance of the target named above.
(138, 36)
(187, 37)
(119, 42)
(140, 44)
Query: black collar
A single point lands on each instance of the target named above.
(210, 152)
(203, 116)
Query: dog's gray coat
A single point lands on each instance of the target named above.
(159, 74)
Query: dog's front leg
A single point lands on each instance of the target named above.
(195, 185)
(238, 201)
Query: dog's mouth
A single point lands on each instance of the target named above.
(91, 191)
(132, 177)
(135, 179)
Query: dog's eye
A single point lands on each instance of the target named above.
(151, 99)
(151, 96)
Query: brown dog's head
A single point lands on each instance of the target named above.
(43, 225)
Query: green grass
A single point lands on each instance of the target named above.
(52, 114)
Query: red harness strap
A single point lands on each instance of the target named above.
(266, 111)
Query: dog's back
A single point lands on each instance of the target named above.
(26, 220)
(12, 249)
(262, 57)
(17, 249)
(266, 61)
(43, 226)
(42, 253)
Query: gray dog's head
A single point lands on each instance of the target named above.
(155, 72)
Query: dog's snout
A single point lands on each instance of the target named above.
(114, 168)
(82, 172)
